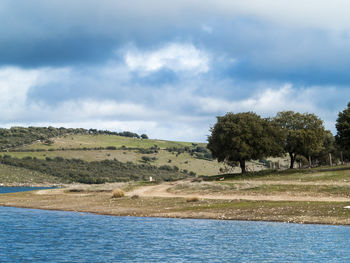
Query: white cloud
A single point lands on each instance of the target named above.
(89, 109)
(270, 101)
(178, 112)
(174, 56)
(267, 102)
(14, 84)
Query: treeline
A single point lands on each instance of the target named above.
(124, 133)
(77, 170)
(237, 138)
(110, 148)
(196, 151)
(19, 136)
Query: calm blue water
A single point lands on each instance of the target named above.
(4, 190)
(29, 235)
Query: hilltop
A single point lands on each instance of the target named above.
(58, 155)
(88, 153)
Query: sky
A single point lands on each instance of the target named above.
(168, 68)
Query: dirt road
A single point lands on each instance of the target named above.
(162, 190)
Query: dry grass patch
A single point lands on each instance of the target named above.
(118, 193)
(203, 188)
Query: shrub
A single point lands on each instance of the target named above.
(146, 158)
(111, 148)
(144, 136)
(117, 193)
(134, 196)
(74, 190)
(197, 180)
(192, 199)
(76, 170)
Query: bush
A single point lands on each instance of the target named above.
(146, 158)
(111, 148)
(118, 193)
(192, 199)
(144, 136)
(76, 170)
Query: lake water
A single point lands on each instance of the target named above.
(30, 235)
(4, 190)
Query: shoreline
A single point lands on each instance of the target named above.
(182, 218)
(101, 203)
(32, 185)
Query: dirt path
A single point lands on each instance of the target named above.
(161, 190)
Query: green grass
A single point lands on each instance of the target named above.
(184, 161)
(16, 175)
(92, 141)
(305, 175)
(328, 190)
(340, 176)
(311, 212)
(262, 189)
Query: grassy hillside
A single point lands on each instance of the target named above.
(94, 141)
(96, 172)
(189, 158)
(124, 149)
(184, 161)
(17, 175)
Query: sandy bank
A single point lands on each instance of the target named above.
(146, 205)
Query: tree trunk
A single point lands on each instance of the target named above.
(242, 164)
(292, 160)
(310, 162)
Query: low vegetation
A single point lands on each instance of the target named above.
(12, 175)
(118, 193)
(21, 136)
(89, 141)
(192, 199)
(76, 170)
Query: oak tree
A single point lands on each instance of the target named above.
(237, 138)
(304, 133)
(343, 130)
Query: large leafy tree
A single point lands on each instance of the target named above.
(329, 149)
(304, 133)
(343, 130)
(236, 138)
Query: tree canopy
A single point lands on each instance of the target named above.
(343, 130)
(236, 138)
(304, 133)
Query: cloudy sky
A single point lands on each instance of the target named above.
(168, 68)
